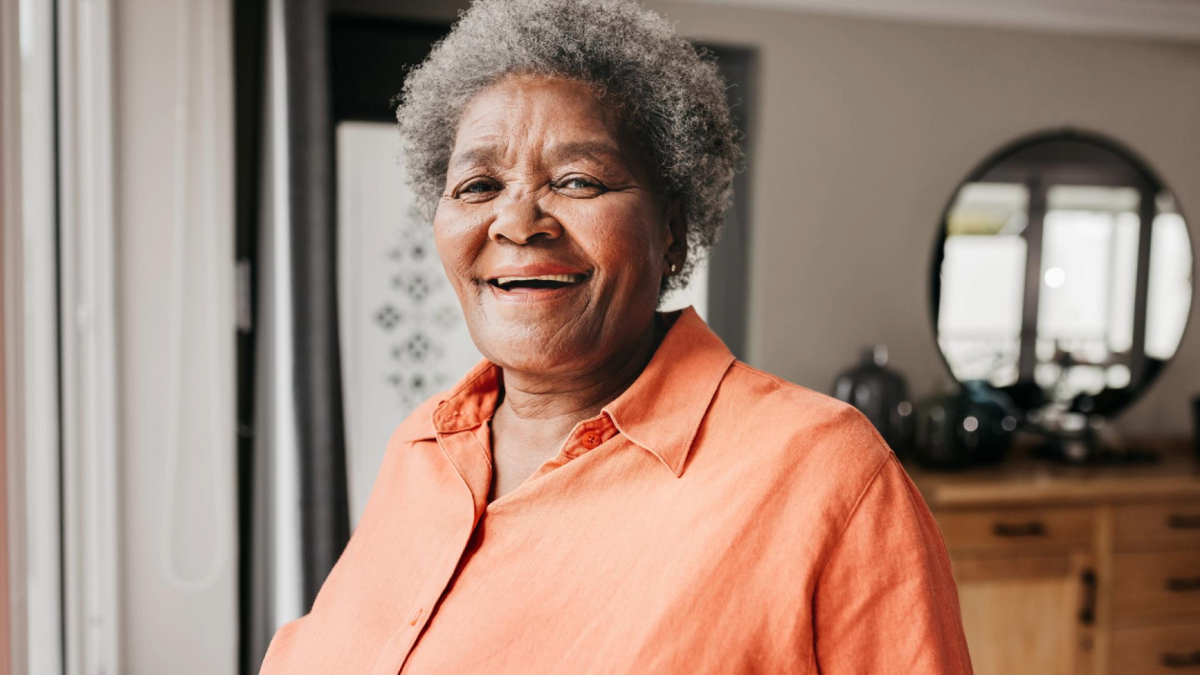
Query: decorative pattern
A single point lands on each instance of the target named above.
(403, 334)
(420, 304)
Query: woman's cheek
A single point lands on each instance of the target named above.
(615, 230)
(459, 233)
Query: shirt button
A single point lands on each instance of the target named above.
(591, 439)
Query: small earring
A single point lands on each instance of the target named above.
(672, 268)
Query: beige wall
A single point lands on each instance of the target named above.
(862, 131)
(5, 606)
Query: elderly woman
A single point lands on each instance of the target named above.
(610, 491)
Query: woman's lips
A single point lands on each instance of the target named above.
(536, 282)
(535, 285)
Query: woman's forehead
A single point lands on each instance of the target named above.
(493, 151)
(557, 118)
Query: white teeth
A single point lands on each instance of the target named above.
(564, 278)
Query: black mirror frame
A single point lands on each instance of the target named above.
(1151, 180)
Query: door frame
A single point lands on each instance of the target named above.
(31, 366)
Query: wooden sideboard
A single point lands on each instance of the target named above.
(1066, 570)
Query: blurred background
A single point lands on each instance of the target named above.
(969, 219)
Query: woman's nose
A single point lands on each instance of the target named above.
(520, 220)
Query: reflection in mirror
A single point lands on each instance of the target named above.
(1063, 276)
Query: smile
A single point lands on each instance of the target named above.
(544, 282)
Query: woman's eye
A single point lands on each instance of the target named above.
(579, 185)
(479, 188)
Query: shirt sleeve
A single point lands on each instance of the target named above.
(280, 644)
(886, 601)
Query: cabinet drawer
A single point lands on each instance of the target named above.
(1018, 529)
(1160, 523)
(1158, 584)
(1163, 650)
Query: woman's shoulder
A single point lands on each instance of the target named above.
(796, 423)
(814, 458)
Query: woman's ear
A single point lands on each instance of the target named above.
(677, 248)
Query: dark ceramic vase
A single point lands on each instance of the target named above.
(881, 394)
(1196, 425)
(968, 427)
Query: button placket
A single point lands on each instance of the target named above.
(459, 449)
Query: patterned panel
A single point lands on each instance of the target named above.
(402, 332)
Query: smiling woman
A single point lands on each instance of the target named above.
(557, 241)
(609, 490)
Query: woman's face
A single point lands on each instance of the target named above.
(552, 228)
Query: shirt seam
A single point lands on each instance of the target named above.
(487, 455)
(779, 382)
(862, 495)
(840, 538)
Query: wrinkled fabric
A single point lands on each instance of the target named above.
(712, 519)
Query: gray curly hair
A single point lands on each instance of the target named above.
(669, 92)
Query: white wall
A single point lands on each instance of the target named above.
(178, 529)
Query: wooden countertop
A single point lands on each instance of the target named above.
(1022, 480)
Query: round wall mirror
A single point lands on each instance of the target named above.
(1062, 276)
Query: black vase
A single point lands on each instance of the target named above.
(881, 394)
(968, 427)
(1196, 425)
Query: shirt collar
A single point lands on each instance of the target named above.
(660, 412)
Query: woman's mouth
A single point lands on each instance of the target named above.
(542, 282)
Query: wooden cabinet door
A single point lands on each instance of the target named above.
(1156, 650)
(1028, 615)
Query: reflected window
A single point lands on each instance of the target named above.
(979, 327)
(1088, 273)
(1064, 275)
(1170, 282)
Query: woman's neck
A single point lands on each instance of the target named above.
(539, 410)
(540, 398)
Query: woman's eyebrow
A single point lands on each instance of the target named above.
(560, 153)
(485, 155)
(598, 151)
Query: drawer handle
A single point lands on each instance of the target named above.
(1087, 615)
(1184, 521)
(1170, 660)
(1183, 584)
(1033, 528)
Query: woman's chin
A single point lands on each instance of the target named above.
(525, 358)
(532, 320)
(553, 344)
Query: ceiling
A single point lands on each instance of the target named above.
(1171, 19)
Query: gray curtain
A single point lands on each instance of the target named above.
(293, 511)
(324, 508)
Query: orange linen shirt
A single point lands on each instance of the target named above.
(712, 519)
